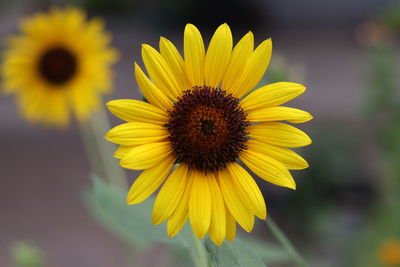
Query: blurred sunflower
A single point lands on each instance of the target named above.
(199, 116)
(389, 253)
(59, 64)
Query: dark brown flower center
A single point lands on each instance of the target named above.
(207, 128)
(57, 65)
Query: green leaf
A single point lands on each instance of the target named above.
(131, 223)
(271, 253)
(233, 254)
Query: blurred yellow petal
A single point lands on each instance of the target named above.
(279, 113)
(150, 91)
(200, 204)
(149, 181)
(279, 134)
(137, 133)
(272, 95)
(238, 59)
(170, 194)
(137, 111)
(267, 168)
(248, 190)
(289, 158)
(254, 69)
(194, 53)
(146, 156)
(218, 56)
(233, 201)
(175, 62)
(160, 72)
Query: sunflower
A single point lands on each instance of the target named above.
(200, 122)
(58, 65)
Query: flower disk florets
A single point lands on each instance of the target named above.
(207, 128)
(57, 65)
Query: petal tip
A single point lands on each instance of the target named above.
(155, 219)
(108, 136)
(110, 104)
(302, 88)
(218, 242)
(146, 48)
(130, 201)
(171, 232)
(309, 141)
(292, 186)
(190, 26)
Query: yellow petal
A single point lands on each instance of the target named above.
(217, 229)
(200, 204)
(267, 168)
(122, 150)
(254, 69)
(272, 95)
(230, 225)
(150, 91)
(279, 134)
(218, 55)
(233, 201)
(170, 194)
(239, 57)
(137, 133)
(160, 72)
(279, 113)
(181, 213)
(134, 110)
(146, 156)
(194, 53)
(289, 158)
(149, 181)
(248, 190)
(175, 62)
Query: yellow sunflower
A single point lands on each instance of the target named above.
(58, 65)
(200, 120)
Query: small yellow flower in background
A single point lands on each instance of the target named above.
(60, 64)
(200, 117)
(389, 253)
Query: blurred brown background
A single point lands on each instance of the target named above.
(44, 171)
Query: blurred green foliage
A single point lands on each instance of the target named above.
(390, 16)
(233, 254)
(24, 254)
(381, 82)
(383, 115)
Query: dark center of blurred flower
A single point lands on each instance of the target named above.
(57, 65)
(207, 128)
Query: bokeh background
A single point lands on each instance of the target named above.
(346, 206)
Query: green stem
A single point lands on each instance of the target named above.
(284, 241)
(199, 256)
(100, 151)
